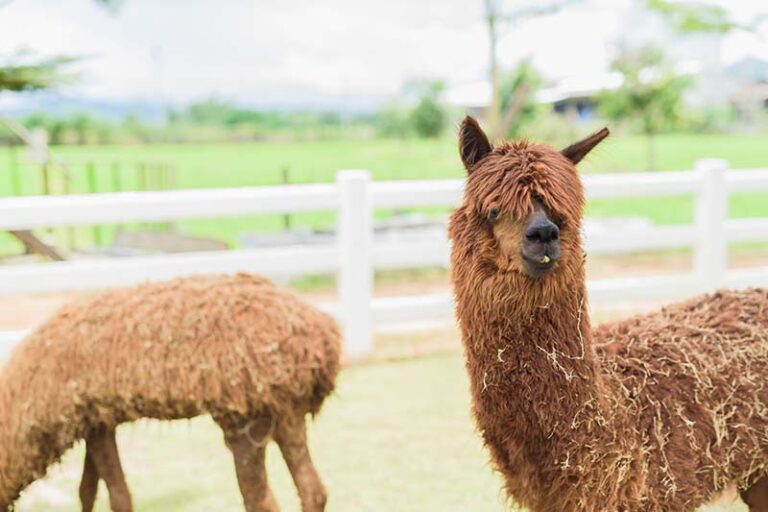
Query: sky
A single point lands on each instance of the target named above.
(321, 53)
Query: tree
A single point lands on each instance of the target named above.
(693, 17)
(34, 75)
(517, 98)
(428, 118)
(496, 19)
(41, 74)
(651, 94)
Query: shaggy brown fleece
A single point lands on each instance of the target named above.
(657, 413)
(219, 345)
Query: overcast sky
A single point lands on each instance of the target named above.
(303, 52)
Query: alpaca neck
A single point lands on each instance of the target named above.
(529, 351)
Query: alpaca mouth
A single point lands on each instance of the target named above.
(537, 267)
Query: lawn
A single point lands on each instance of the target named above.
(232, 165)
(396, 437)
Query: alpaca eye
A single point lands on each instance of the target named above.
(493, 214)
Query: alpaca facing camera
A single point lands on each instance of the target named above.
(659, 412)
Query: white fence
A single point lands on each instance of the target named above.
(356, 255)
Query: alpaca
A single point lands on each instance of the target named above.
(659, 412)
(257, 359)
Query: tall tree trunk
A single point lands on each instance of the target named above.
(514, 109)
(493, 113)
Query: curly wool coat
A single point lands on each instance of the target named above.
(656, 413)
(219, 345)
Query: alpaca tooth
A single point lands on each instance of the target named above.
(545, 259)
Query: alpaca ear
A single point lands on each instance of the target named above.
(578, 150)
(473, 143)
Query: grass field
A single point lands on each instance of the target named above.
(396, 437)
(231, 165)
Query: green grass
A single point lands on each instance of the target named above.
(232, 165)
(397, 436)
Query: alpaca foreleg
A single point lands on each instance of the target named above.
(756, 495)
(248, 444)
(89, 485)
(291, 436)
(102, 447)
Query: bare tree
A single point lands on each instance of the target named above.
(497, 19)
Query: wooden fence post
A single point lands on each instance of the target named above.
(285, 179)
(93, 188)
(13, 169)
(710, 251)
(355, 245)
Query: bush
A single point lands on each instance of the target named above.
(392, 120)
(428, 118)
(706, 119)
(525, 80)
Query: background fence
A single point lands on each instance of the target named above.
(355, 255)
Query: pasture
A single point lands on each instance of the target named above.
(397, 436)
(249, 164)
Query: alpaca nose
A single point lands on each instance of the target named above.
(542, 231)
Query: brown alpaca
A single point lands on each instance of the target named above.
(659, 412)
(257, 359)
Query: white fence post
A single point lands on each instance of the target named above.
(710, 252)
(355, 278)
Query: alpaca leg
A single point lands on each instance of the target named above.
(756, 495)
(89, 484)
(291, 436)
(103, 448)
(248, 443)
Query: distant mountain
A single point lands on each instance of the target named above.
(58, 104)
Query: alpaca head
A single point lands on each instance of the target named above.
(522, 204)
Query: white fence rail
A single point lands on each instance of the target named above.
(354, 196)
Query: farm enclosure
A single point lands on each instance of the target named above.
(237, 165)
(355, 253)
(361, 409)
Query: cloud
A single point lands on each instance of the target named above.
(297, 52)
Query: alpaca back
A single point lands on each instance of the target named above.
(192, 346)
(694, 380)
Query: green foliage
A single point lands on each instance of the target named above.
(209, 121)
(650, 98)
(46, 73)
(708, 119)
(429, 116)
(693, 17)
(518, 90)
(216, 112)
(651, 95)
(35, 75)
(77, 128)
(392, 120)
(250, 123)
(112, 5)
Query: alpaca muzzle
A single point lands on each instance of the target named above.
(541, 246)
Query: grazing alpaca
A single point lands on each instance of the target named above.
(658, 412)
(255, 358)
